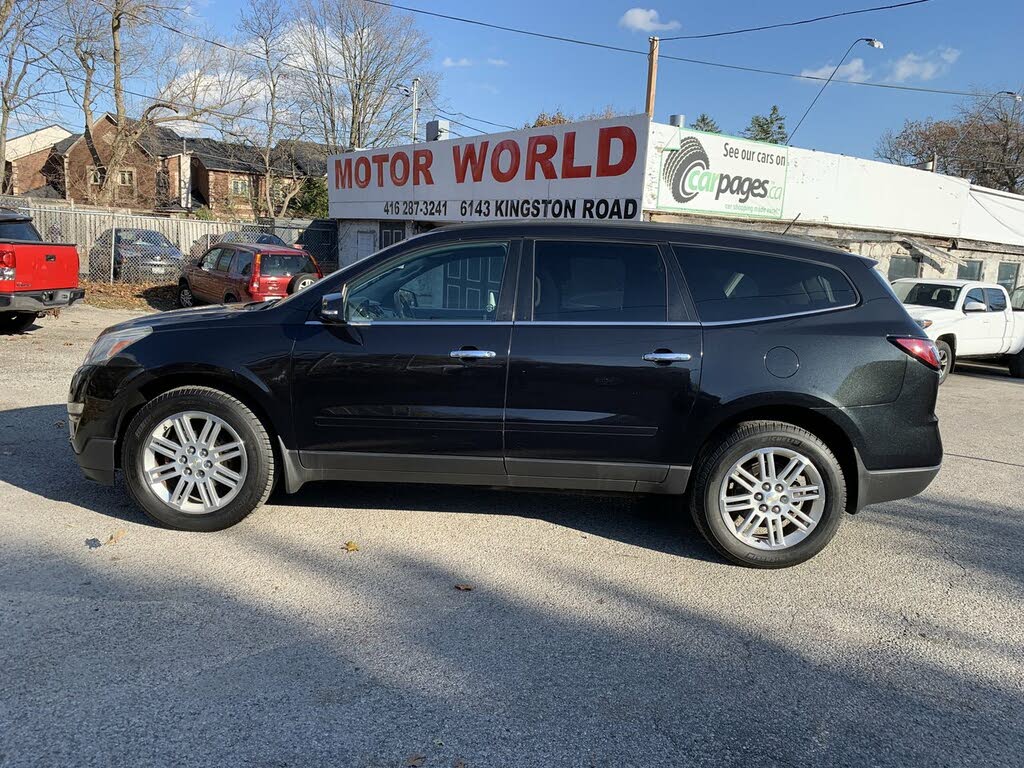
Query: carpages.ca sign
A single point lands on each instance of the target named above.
(587, 170)
(710, 173)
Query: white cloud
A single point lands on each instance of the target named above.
(497, 62)
(646, 20)
(461, 62)
(928, 66)
(853, 70)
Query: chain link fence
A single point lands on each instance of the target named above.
(134, 248)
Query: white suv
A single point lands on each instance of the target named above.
(966, 318)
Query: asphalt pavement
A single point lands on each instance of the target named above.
(472, 627)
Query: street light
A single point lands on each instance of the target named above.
(870, 41)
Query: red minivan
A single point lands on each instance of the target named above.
(231, 272)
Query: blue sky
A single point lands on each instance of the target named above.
(509, 78)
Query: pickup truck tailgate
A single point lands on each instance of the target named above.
(43, 266)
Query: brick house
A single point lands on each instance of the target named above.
(150, 177)
(31, 164)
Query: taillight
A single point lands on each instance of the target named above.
(254, 283)
(922, 350)
(8, 262)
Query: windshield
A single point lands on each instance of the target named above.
(928, 294)
(285, 264)
(18, 230)
(142, 237)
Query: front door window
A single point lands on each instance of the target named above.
(460, 282)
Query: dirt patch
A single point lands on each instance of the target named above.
(130, 295)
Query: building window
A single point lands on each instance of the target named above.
(96, 176)
(240, 187)
(969, 270)
(902, 266)
(126, 178)
(1008, 274)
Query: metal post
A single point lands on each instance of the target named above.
(652, 75)
(415, 107)
(113, 241)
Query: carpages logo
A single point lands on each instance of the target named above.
(748, 178)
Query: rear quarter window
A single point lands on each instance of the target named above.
(730, 286)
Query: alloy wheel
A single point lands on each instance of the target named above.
(772, 498)
(194, 462)
(185, 296)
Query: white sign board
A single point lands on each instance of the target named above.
(723, 175)
(588, 170)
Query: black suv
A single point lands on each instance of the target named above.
(772, 384)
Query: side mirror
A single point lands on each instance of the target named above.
(332, 308)
(974, 306)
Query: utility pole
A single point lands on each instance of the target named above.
(415, 107)
(652, 75)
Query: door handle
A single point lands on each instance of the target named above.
(472, 354)
(666, 357)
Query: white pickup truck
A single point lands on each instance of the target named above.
(968, 319)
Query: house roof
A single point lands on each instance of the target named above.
(62, 147)
(307, 157)
(34, 141)
(225, 156)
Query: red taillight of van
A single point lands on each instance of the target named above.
(922, 350)
(254, 282)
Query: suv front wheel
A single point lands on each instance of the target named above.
(768, 495)
(197, 459)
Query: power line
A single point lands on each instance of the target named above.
(801, 22)
(635, 52)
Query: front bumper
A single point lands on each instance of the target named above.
(40, 301)
(97, 401)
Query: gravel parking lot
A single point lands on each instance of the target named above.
(599, 631)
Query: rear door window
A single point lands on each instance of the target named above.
(226, 254)
(996, 300)
(730, 286)
(608, 282)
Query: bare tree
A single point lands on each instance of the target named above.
(269, 128)
(25, 42)
(117, 42)
(357, 59)
(984, 142)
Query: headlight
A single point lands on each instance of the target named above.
(925, 323)
(109, 344)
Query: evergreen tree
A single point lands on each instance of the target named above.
(770, 127)
(706, 123)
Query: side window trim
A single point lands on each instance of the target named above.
(506, 299)
(689, 247)
(524, 307)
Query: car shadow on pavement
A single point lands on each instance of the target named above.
(35, 456)
(981, 371)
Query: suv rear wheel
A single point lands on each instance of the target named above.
(197, 459)
(768, 495)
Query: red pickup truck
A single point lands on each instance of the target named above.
(35, 277)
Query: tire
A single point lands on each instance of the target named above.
(16, 322)
(301, 281)
(947, 359)
(690, 155)
(715, 468)
(185, 298)
(254, 462)
(1017, 365)
(230, 299)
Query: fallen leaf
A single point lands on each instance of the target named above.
(68, 344)
(93, 543)
(59, 424)
(115, 536)
(351, 546)
(464, 587)
(415, 761)
(459, 763)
